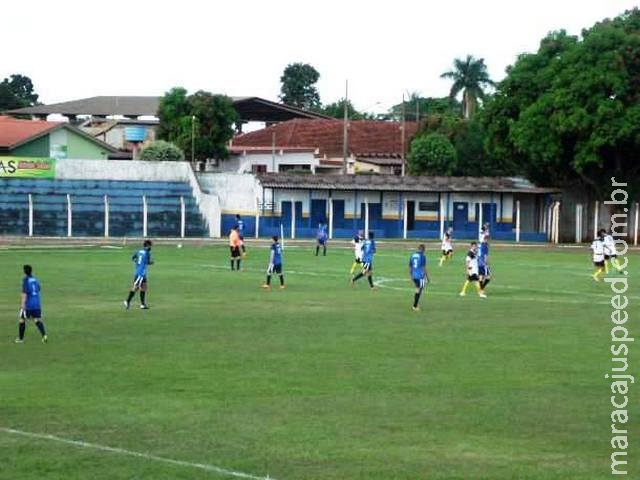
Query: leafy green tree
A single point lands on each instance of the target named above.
(16, 91)
(418, 108)
(336, 110)
(298, 86)
(161, 150)
(470, 77)
(203, 120)
(570, 113)
(432, 154)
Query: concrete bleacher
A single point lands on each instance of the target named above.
(125, 199)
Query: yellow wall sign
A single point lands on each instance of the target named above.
(27, 167)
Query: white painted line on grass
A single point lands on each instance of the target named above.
(146, 456)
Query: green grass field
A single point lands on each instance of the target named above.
(221, 379)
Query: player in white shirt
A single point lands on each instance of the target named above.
(483, 236)
(358, 243)
(597, 250)
(610, 252)
(471, 271)
(447, 246)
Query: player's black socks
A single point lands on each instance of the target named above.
(143, 295)
(416, 299)
(358, 277)
(232, 264)
(282, 280)
(238, 264)
(317, 250)
(21, 328)
(243, 249)
(324, 251)
(268, 279)
(40, 325)
(131, 294)
(370, 281)
(485, 282)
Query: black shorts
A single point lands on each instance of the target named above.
(33, 313)
(139, 280)
(472, 278)
(275, 269)
(367, 267)
(447, 252)
(235, 251)
(419, 282)
(322, 241)
(598, 264)
(358, 260)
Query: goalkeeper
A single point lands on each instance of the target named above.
(30, 305)
(275, 263)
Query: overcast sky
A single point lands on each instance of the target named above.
(74, 49)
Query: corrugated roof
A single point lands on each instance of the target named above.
(365, 138)
(397, 183)
(249, 108)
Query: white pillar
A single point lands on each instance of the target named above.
(30, 215)
(293, 219)
(479, 218)
(366, 217)
(556, 222)
(443, 212)
(106, 215)
(404, 219)
(144, 215)
(330, 218)
(596, 220)
(578, 223)
(69, 217)
(183, 217)
(517, 221)
(635, 227)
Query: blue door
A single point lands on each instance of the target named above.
(318, 212)
(488, 213)
(285, 218)
(338, 214)
(460, 216)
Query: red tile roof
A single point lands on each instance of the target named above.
(366, 137)
(14, 131)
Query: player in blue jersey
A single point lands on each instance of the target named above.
(30, 306)
(368, 251)
(419, 274)
(275, 263)
(142, 259)
(240, 225)
(321, 238)
(484, 271)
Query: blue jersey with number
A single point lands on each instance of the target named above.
(368, 250)
(31, 287)
(141, 258)
(276, 248)
(483, 254)
(418, 265)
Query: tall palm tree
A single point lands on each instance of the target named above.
(471, 78)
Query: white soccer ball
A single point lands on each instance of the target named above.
(179, 245)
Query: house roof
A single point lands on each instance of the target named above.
(249, 108)
(15, 132)
(396, 183)
(365, 137)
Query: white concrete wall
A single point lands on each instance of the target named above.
(137, 170)
(243, 163)
(236, 192)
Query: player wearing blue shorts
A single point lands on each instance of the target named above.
(321, 239)
(142, 259)
(275, 263)
(30, 305)
(484, 271)
(368, 251)
(419, 274)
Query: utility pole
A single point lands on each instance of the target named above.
(345, 134)
(193, 138)
(402, 128)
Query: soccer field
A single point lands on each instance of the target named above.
(222, 379)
